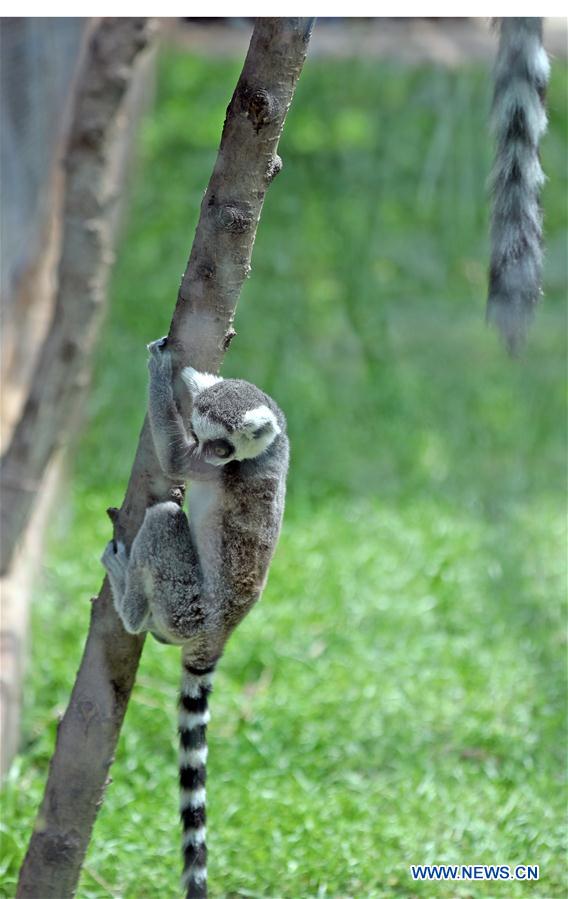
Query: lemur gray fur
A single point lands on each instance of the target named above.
(519, 121)
(192, 582)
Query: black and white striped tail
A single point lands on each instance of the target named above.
(193, 719)
(519, 121)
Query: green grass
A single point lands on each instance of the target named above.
(398, 695)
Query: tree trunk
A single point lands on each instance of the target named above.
(25, 515)
(61, 372)
(200, 332)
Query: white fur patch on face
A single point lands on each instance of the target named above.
(258, 431)
(258, 418)
(206, 429)
(196, 381)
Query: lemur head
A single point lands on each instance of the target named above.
(231, 419)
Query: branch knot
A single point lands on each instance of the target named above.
(274, 168)
(235, 217)
(262, 108)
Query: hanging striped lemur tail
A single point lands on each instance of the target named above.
(193, 718)
(519, 121)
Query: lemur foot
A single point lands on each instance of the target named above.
(160, 361)
(115, 558)
(157, 346)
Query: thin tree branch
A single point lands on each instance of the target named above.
(200, 333)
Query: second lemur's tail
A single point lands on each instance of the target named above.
(519, 121)
(193, 719)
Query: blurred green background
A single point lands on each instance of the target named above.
(398, 695)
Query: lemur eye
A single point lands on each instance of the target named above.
(221, 448)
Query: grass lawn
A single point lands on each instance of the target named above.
(398, 696)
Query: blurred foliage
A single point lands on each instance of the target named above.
(398, 695)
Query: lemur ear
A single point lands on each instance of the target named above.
(196, 381)
(260, 424)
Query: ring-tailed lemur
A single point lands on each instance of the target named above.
(519, 121)
(191, 583)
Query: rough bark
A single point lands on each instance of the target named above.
(200, 332)
(61, 371)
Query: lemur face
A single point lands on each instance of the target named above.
(230, 418)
